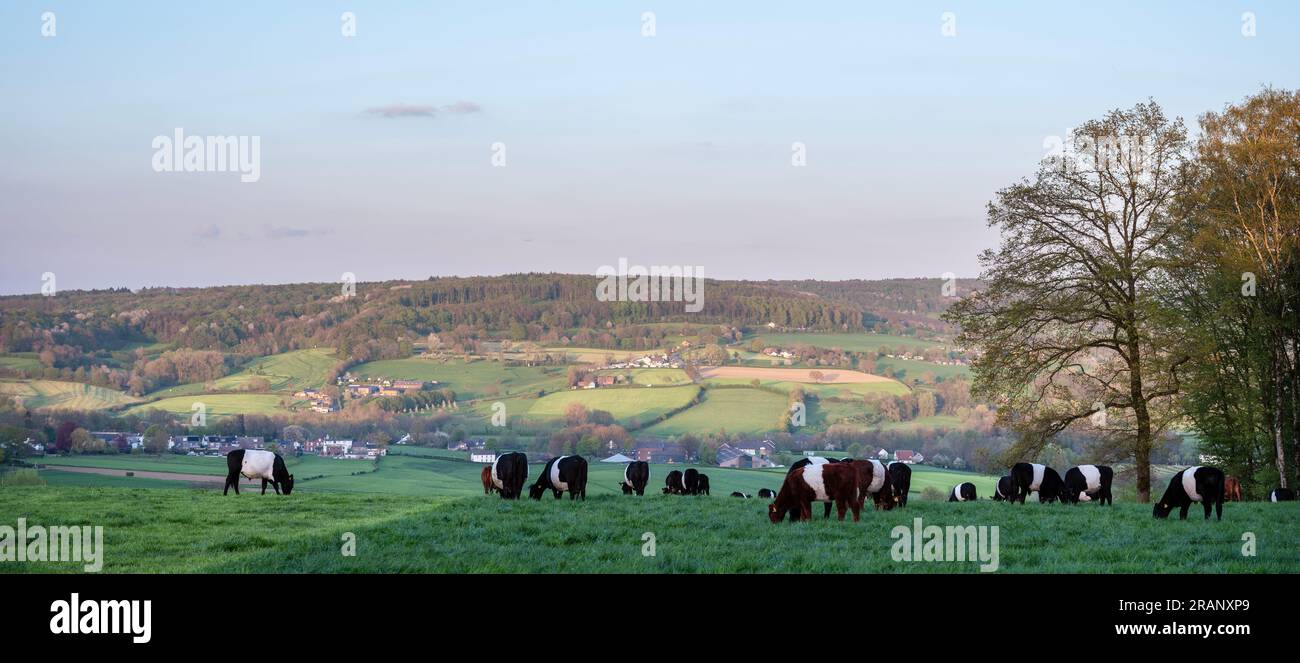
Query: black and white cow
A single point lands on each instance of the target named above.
(880, 489)
(673, 483)
(1035, 477)
(737, 493)
(900, 478)
(962, 492)
(636, 475)
(562, 474)
(1085, 482)
(766, 492)
(257, 464)
(690, 481)
(702, 484)
(509, 472)
(1194, 484)
(1005, 490)
(1281, 495)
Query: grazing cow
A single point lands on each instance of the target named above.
(882, 493)
(1085, 482)
(673, 483)
(562, 474)
(1232, 489)
(486, 476)
(1005, 489)
(1034, 477)
(900, 479)
(766, 492)
(825, 482)
(702, 484)
(257, 464)
(805, 462)
(962, 492)
(636, 475)
(737, 493)
(1281, 495)
(509, 473)
(1194, 484)
(690, 481)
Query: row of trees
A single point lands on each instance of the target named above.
(1144, 282)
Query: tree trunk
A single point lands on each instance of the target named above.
(1141, 445)
(1279, 445)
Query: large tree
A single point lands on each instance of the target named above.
(1070, 328)
(1238, 294)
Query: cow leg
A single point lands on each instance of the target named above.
(558, 493)
(1182, 513)
(805, 511)
(1209, 507)
(840, 507)
(263, 486)
(826, 513)
(857, 510)
(276, 485)
(226, 490)
(1218, 508)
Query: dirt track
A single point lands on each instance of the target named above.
(149, 474)
(829, 375)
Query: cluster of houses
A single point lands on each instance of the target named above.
(673, 360)
(213, 445)
(363, 389)
(901, 456)
(599, 381)
(907, 356)
(777, 352)
(344, 449)
(320, 401)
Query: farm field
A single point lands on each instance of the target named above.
(59, 395)
(476, 379)
(197, 531)
(21, 361)
(624, 403)
(938, 421)
(914, 369)
(288, 371)
(847, 342)
(597, 355)
(217, 405)
(736, 410)
(657, 377)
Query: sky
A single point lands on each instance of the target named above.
(478, 138)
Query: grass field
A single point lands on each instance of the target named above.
(915, 369)
(625, 403)
(58, 395)
(21, 361)
(657, 377)
(288, 371)
(197, 531)
(475, 379)
(748, 411)
(216, 405)
(847, 342)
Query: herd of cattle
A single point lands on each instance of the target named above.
(844, 482)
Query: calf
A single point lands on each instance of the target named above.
(1085, 482)
(636, 475)
(702, 484)
(1232, 489)
(766, 492)
(825, 482)
(509, 473)
(1004, 490)
(1194, 484)
(900, 480)
(257, 464)
(1034, 477)
(962, 492)
(1281, 495)
(737, 493)
(486, 477)
(562, 474)
(690, 481)
(673, 483)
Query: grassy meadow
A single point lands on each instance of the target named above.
(59, 395)
(200, 531)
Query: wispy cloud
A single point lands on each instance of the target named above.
(424, 110)
(285, 232)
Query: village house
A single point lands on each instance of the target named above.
(762, 449)
(729, 456)
(482, 456)
(658, 451)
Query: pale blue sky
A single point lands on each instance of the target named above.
(673, 149)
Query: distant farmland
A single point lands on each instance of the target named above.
(847, 342)
(58, 395)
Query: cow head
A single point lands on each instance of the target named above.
(286, 486)
(774, 514)
(627, 490)
(1162, 509)
(536, 491)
